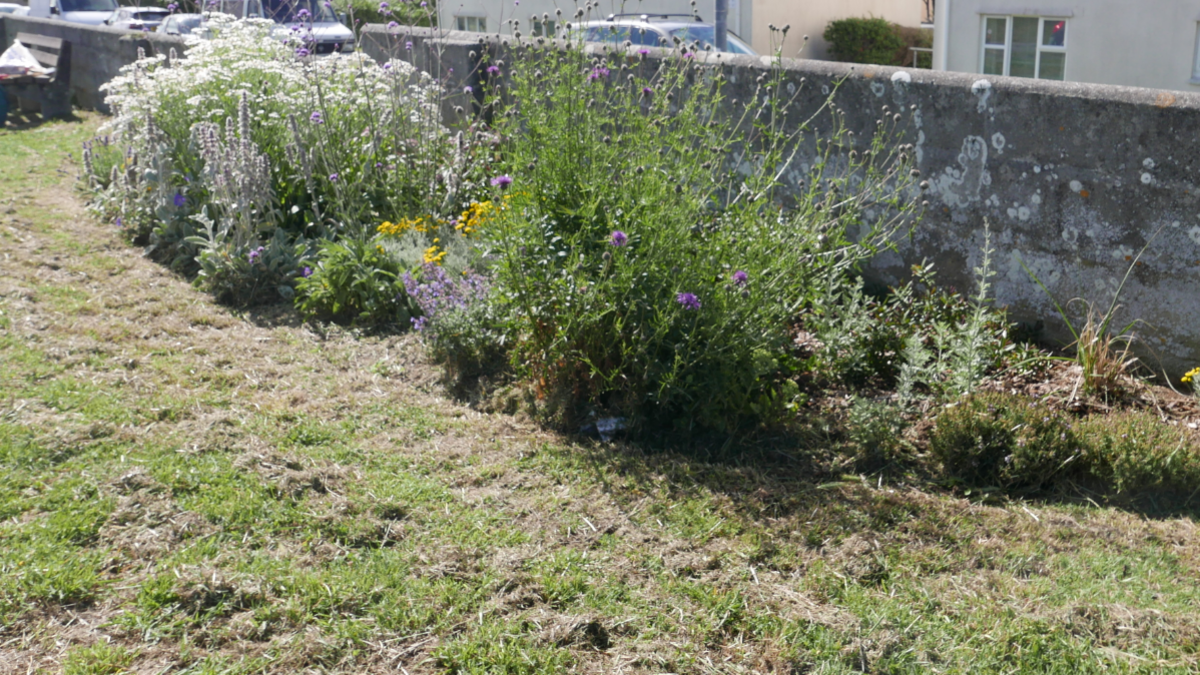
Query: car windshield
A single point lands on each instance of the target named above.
(619, 34)
(156, 15)
(707, 36)
(287, 11)
(87, 5)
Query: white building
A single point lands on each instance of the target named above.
(1140, 43)
(749, 19)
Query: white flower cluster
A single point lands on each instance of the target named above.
(245, 58)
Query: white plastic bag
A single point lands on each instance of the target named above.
(16, 60)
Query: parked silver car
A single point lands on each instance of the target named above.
(182, 24)
(657, 30)
(137, 18)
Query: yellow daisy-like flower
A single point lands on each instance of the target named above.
(1191, 374)
(433, 255)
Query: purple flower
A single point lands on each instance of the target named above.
(501, 181)
(306, 272)
(597, 73)
(180, 200)
(408, 46)
(688, 300)
(619, 238)
(172, 7)
(647, 91)
(316, 118)
(689, 55)
(120, 223)
(302, 52)
(493, 70)
(467, 90)
(383, 8)
(302, 14)
(423, 4)
(392, 25)
(333, 177)
(255, 255)
(741, 278)
(387, 66)
(643, 51)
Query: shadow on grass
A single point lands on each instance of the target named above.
(19, 120)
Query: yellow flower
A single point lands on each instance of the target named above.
(1191, 374)
(433, 256)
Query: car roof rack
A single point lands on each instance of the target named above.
(647, 17)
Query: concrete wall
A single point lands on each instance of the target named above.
(97, 52)
(811, 18)
(1148, 43)
(1074, 180)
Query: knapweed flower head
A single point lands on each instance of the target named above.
(316, 118)
(647, 91)
(688, 300)
(643, 51)
(618, 238)
(493, 70)
(1190, 375)
(256, 255)
(467, 90)
(598, 72)
(501, 181)
(741, 278)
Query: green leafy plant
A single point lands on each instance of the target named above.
(354, 281)
(864, 40)
(996, 440)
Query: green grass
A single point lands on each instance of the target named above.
(221, 497)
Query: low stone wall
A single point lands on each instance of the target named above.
(97, 52)
(1074, 179)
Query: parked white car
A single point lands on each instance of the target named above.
(14, 9)
(92, 12)
(312, 20)
(138, 18)
(182, 24)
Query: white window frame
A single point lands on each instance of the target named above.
(472, 24)
(1037, 62)
(1196, 58)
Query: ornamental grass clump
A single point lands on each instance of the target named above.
(646, 264)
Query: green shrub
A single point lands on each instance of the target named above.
(354, 281)
(646, 279)
(864, 40)
(1136, 452)
(997, 440)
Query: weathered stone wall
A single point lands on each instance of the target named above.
(97, 52)
(1074, 179)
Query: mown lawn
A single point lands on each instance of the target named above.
(186, 488)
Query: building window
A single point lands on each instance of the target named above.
(1196, 60)
(475, 24)
(1024, 46)
(543, 28)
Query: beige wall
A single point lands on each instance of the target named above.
(1147, 43)
(809, 17)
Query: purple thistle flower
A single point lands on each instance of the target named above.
(467, 90)
(597, 73)
(180, 200)
(647, 91)
(689, 55)
(306, 272)
(333, 177)
(493, 70)
(740, 278)
(316, 118)
(501, 181)
(643, 51)
(688, 300)
(302, 52)
(619, 238)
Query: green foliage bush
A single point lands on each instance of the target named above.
(865, 40)
(1005, 441)
(354, 281)
(1136, 452)
(646, 279)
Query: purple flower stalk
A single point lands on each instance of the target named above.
(120, 223)
(501, 182)
(255, 255)
(688, 300)
(438, 292)
(180, 200)
(740, 278)
(619, 238)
